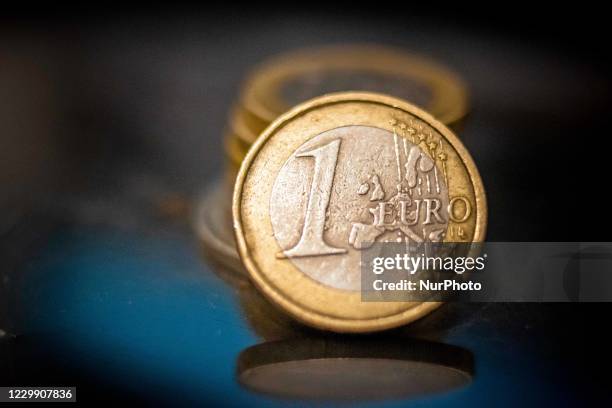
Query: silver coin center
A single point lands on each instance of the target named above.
(349, 187)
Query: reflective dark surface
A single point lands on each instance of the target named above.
(113, 128)
(139, 313)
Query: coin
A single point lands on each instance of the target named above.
(245, 125)
(235, 149)
(309, 191)
(333, 369)
(292, 78)
(213, 225)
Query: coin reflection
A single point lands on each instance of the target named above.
(346, 368)
(298, 362)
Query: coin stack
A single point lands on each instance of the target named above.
(289, 79)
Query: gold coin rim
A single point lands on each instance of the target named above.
(245, 125)
(282, 300)
(449, 92)
(241, 125)
(235, 148)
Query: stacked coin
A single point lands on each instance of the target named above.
(287, 80)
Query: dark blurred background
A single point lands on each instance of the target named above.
(112, 122)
